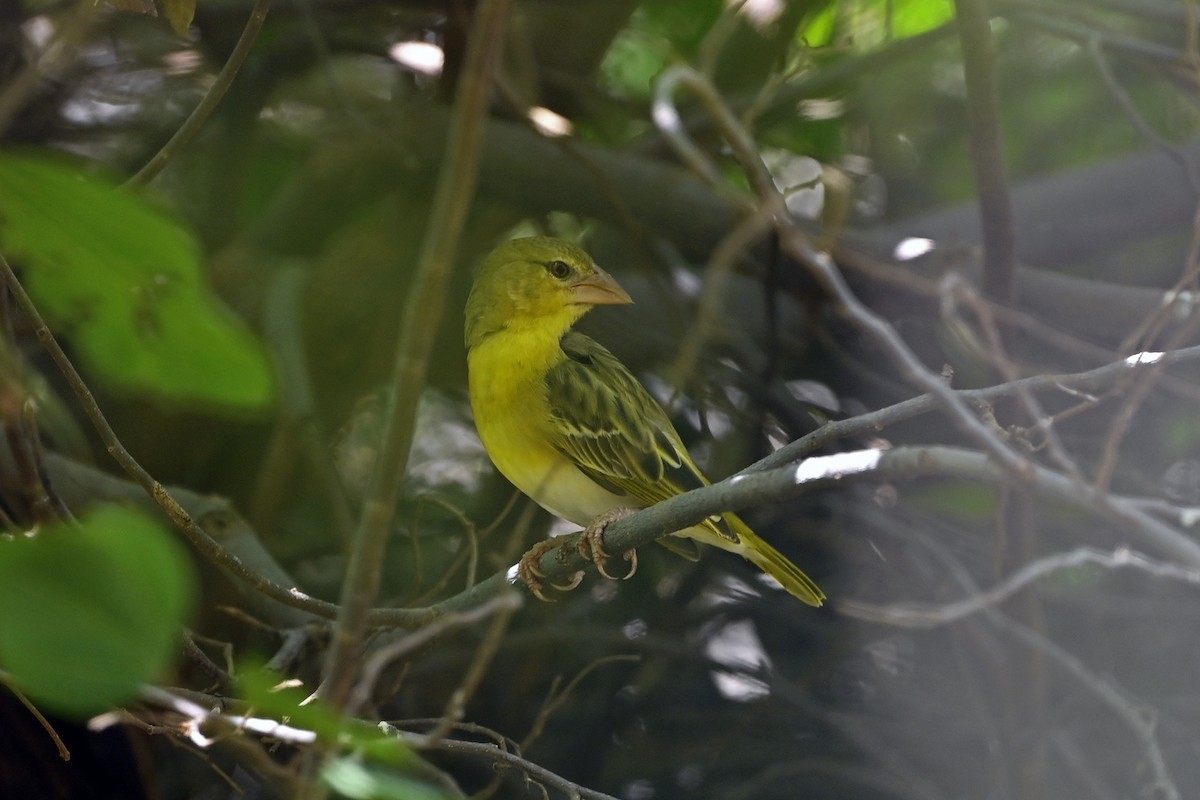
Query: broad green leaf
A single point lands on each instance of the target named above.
(123, 281)
(914, 17)
(90, 613)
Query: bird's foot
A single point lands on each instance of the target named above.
(591, 544)
(529, 572)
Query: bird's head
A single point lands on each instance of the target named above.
(537, 282)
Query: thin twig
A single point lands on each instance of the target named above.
(200, 723)
(554, 702)
(206, 665)
(1130, 46)
(289, 649)
(1141, 125)
(63, 752)
(492, 753)
(1132, 401)
(506, 602)
(987, 151)
(1138, 717)
(710, 312)
(1043, 422)
(482, 660)
(211, 100)
(820, 265)
(1091, 382)
(926, 615)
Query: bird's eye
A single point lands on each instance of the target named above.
(558, 269)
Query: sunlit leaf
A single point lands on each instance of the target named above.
(914, 17)
(123, 281)
(90, 613)
(818, 30)
(864, 24)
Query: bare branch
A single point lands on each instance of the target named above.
(926, 615)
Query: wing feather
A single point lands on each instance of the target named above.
(608, 424)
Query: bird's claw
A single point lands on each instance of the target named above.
(591, 544)
(529, 572)
(628, 555)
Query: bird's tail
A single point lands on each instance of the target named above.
(773, 562)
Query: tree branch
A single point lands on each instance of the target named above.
(422, 312)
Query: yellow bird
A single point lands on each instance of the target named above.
(565, 421)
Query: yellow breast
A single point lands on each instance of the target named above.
(512, 413)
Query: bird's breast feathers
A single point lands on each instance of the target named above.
(509, 400)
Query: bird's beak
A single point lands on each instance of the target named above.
(600, 289)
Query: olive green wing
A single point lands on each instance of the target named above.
(606, 422)
(619, 436)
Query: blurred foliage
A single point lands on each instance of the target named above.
(123, 282)
(90, 613)
(316, 170)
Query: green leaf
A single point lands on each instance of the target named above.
(123, 281)
(862, 26)
(914, 17)
(633, 61)
(90, 613)
(179, 13)
(818, 31)
(351, 779)
(261, 689)
(378, 765)
(684, 22)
